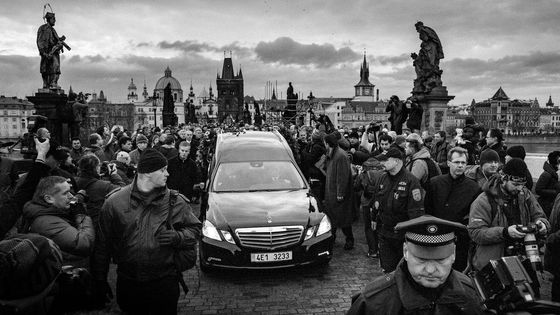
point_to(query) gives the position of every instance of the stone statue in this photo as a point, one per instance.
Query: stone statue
(426, 62)
(399, 113)
(50, 46)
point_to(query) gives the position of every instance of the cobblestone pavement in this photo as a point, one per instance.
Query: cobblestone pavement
(304, 290)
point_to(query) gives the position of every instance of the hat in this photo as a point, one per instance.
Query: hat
(372, 164)
(430, 237)
(151, 160)
(318, 134)
(517, 151)
(354, 134)
(331, 139)
(393, 152)
(414, 137)
(141, 139)
(49, 15)
(516, 169)
(488, 156)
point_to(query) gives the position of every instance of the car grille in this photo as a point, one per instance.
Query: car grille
(269, 237)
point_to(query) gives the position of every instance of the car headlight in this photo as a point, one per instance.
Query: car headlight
(210, 231)
(227, 236)
(324, 226)
(309, 233)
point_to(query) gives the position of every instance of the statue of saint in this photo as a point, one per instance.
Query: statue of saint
(50, 46)
(426, 62)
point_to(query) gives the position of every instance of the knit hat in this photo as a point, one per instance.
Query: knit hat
(516, 168)
(489, 155)
(331, 140)
(414, 137)
(517, 151)
(318, 135)
(354, 134)
(151, 160)
(141, 139)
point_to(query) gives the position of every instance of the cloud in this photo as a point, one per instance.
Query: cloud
(285, 50)
(393, 60)
(193, 46)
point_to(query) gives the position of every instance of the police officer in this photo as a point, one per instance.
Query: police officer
(424, 282)
(396, 197)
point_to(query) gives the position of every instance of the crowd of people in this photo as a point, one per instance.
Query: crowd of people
(109, 199)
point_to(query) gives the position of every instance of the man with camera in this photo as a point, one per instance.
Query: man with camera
(498, 214)
(424, 281)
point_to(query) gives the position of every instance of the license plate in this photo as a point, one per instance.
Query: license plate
(271, 257)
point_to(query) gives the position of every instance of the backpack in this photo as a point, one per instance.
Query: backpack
(29, 265)
(433, 170)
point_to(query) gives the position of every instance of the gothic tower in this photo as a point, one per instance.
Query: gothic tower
(364, 89)
(230, 92)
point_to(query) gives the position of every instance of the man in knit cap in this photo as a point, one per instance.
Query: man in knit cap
(518, 151)
(497, 212)
(489, 164)
(150, 232)
(141, 145)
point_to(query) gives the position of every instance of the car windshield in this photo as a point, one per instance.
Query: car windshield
(257, 175)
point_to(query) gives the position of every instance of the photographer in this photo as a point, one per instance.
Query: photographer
(369, 138)
(497, 212)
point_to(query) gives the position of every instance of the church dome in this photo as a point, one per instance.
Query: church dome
(166, 79)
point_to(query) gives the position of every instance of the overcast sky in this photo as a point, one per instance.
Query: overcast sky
(317, 45)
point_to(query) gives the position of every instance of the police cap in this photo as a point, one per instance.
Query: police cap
(393, 152)
(431, 237)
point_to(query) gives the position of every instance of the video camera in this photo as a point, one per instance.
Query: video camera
(529, 247)
(505, 286)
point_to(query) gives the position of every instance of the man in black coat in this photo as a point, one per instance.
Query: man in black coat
(183, 172)
(449, 197)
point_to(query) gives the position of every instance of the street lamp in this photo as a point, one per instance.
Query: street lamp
(154, 104)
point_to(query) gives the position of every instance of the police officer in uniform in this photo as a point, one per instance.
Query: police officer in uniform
(424, 281)
(396, 197)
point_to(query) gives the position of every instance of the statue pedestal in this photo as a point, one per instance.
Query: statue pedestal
(52, 103)
(435, 109)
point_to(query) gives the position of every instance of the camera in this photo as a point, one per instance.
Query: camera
(506, 285)
(529, 247)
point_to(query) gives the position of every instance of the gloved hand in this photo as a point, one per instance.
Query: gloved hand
(168, 238)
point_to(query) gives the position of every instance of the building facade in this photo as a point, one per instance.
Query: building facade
(13, 117)
(513, 117)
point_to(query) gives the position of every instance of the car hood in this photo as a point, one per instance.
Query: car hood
(257, 209)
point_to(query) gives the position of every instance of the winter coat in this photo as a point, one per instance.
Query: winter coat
(98, 151)
(397, 198)
(552, 248)
(338, 184)
(125, 172)
(475, 173)
(450, 198)
(96, 190)
(311, 155)
(418, 167)
(11, 210)
(487, 229)
(439, 154)
(73, 233)
(547, 187)
(128, 224)
(397, 293)
(183, 174)
(414, 121)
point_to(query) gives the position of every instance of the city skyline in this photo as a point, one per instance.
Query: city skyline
(317, 45)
